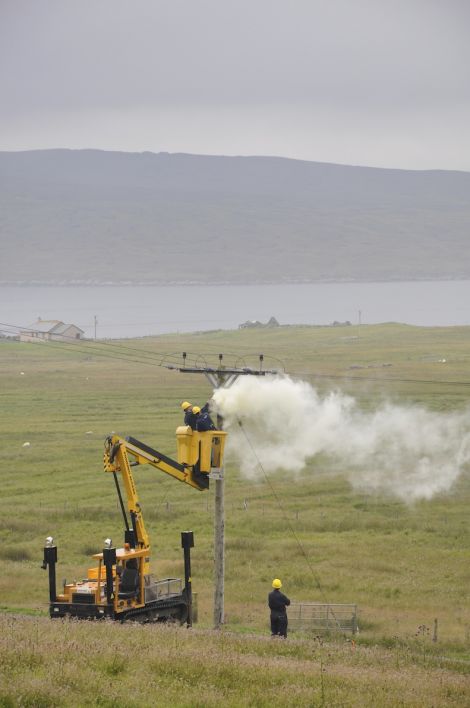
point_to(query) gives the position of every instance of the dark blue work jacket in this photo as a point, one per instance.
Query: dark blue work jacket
(190, 419)
(278, 602)
(204, 422)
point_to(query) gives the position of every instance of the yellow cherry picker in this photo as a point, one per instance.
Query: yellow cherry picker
(120, 585)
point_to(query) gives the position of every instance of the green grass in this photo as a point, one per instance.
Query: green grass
(404, 566)
(60, 663)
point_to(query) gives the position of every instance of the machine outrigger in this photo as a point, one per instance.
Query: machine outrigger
(121, 586)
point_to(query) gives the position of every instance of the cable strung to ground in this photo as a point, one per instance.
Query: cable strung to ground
(286, 518)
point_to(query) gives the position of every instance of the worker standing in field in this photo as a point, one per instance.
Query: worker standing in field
(190, 414)
(278, 602)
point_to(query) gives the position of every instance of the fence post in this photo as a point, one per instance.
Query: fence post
(354, 625)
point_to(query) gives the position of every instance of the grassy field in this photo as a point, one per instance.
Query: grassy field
(46, 663)
(405, 566)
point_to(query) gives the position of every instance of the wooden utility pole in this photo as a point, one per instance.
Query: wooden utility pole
(218, 378)
(219, 553)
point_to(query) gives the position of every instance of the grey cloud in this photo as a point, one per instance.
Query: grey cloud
(112, 53)
(362, 61)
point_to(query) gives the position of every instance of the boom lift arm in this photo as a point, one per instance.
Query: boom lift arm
(117, 454)
(121, 587)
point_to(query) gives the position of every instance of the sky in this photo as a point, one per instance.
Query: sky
(383, 83)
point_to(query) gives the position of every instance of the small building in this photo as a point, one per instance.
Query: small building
(51, 330)
(250, 323)
(256, 323)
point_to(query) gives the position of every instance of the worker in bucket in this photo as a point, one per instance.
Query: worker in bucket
(204, 421)
(190, 414)
(278, 602)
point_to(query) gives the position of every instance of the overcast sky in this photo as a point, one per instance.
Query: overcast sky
(370, 82)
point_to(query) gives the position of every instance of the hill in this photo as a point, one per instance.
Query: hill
(89, 216)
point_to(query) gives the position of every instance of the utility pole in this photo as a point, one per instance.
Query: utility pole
(96, 322)
(220, 377)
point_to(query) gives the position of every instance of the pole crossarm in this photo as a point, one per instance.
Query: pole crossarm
(224, 370)
(222, 376)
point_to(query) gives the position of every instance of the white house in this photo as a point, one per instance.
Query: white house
(51, 330)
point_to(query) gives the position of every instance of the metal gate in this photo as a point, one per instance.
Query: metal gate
(318, 617)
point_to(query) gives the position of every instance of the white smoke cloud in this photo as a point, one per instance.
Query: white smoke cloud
(410, 452)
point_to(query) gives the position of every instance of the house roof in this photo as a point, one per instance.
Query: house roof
(62, 328)
(51, 327)
(44, 325)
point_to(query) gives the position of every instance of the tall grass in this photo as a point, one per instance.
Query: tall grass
(65, 663)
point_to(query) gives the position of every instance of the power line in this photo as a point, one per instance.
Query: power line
(92, 350)
(376, 379)
(156, 358)
(101, 348)
(122, 351)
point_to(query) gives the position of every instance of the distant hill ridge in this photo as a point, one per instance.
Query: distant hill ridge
(89, 216)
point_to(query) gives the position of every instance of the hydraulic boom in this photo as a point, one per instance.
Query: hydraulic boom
(121, 587)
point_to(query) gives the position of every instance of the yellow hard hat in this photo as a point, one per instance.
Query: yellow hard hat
(277, 583)
(185, 404)
(196, 409)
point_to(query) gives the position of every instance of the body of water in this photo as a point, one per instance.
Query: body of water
(136, 311)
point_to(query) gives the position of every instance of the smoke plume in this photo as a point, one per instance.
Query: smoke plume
(410, 452)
